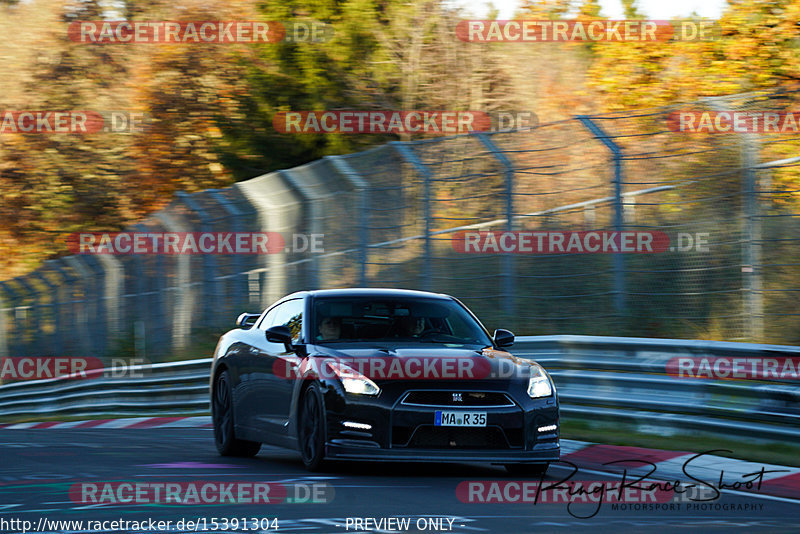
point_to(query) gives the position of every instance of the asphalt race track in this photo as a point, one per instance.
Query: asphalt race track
(41, 469)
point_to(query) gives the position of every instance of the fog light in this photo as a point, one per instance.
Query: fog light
(548, 428)
(359, 426)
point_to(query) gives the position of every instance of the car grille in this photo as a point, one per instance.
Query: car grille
(432, 437)
(470, 399)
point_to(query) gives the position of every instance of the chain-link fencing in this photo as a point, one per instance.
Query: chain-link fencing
(394, 215)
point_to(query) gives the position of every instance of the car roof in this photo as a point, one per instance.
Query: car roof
(368, 292)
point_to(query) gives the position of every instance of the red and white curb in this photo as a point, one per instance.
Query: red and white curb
(669, 465)
(200, 421)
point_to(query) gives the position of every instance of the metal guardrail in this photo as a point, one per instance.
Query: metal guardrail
(599, 379)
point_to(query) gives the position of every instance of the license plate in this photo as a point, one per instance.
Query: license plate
(459, 418)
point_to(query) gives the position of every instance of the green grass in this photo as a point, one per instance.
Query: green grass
(767, 452)
(201, 345)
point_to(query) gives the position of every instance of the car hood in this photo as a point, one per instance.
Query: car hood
(428, 363)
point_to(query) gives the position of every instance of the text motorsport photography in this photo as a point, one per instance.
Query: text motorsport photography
(638, 488)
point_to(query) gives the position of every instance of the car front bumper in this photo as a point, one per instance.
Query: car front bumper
(341, 450)
(391, 430)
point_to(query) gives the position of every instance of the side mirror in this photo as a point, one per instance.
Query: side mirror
(246, 320)
(503, 338)
(280, 334)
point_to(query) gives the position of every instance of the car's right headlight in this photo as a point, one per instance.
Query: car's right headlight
(353, 381)
(539, 384)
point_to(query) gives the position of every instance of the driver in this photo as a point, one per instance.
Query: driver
(329, 328)
(411, 326)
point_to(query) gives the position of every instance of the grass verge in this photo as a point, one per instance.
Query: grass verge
(751, 450)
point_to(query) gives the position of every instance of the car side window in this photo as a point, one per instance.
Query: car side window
(290, 315)
(268, 318)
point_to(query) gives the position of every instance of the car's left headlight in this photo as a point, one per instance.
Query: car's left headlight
(539, 384)
(353, 381)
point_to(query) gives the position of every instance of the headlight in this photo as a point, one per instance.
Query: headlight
(539, 385)
(353, 381)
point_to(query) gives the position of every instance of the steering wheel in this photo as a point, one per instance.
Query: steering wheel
(443, 337)
(428, 332)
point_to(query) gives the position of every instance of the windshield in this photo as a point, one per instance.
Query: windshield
(393, 320)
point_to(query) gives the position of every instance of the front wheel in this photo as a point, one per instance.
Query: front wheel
(222, 415)
(312, 429)
(536, 470)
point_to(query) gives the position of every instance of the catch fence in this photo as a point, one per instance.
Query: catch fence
(391, 216)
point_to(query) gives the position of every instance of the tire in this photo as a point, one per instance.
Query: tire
(537, 470)
(311, 429)
(222, 415)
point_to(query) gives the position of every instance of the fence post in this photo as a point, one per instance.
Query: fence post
(3, 335)
(9, 343)
(241, 290)
(508, 258)
(82, 315)
(209, 261)
(751, 230)
(751, 255)
(182, 312)
(619, 217)
(99, 324)
(272, 213)
(407, 154)
(360, 185)
(310, 201)
(55, 344)
(143, 306)
(69, 324)
(113, 273)
(31, 326)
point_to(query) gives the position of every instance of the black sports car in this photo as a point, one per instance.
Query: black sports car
(380, 374)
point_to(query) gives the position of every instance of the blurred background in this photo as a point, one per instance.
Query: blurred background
(388, 206)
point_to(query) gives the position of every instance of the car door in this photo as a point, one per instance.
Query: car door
(250, 369)
(274, 388)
